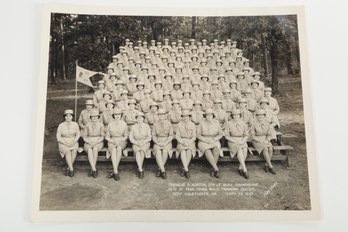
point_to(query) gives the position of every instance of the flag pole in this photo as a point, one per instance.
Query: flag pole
(76, 62)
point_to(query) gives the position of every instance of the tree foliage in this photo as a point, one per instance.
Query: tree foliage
(268, 41)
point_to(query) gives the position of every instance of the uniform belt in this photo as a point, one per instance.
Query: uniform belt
(116, 137)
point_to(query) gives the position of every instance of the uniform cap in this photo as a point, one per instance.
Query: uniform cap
(217, 101)
(236, 111)
(89, 102)
(256, 74)
(268, 89)
(101, 82)
(140, 114)
(68, 111)
(260, 111)
(140, 83)
(147, 91)
(107, 93)
(197, 102)
(94, 113)
(264, 99)
(132, 101)
(162, 111)
(153, 103)
(248, 91)
(243, 100)
(110, 102)
(166, 93)
(124, 92)
(206, 92)
(186, 113)
(175, 102)
(209, 111)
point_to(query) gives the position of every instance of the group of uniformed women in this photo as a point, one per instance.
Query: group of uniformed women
(198, 95)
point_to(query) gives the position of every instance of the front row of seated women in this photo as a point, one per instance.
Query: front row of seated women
(208, 133)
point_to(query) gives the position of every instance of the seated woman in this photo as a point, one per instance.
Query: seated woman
(116, 135)
(94, 140)
(236, 134)
(140, 137)
(68, 133)
(186, 137)
(209, 133)
(261, 135)
(162, 136)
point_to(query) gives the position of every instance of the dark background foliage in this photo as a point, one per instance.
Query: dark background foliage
(270, 42)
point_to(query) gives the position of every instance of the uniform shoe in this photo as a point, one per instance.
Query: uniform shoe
(246, 175)
(71, 173)
(272, 171)
(266, 169)
(111, 175)
(90, 173)
(116, 176)
(158, 173)
(217, 174)
(164, 175)
(187, 174)
(141, 174)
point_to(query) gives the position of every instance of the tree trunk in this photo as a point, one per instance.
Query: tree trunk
(63, 48)
(264, 54)
(289, 60)
(52, 62)
(274, 64)
(193, 30)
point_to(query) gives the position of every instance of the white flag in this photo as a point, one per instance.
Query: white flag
(83, 75)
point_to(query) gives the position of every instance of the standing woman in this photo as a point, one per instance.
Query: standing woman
(186, 137)
(209, 133)
(261, 136)
(68, 133)
(162, 136)
(140, 137)
(236, 134)
(116, 135)
(93, 137)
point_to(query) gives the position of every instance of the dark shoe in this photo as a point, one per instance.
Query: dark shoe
(182, 173)
(71, 173)
(272, 171)
(141, 174)
(67, 171)
(246, 175)
(266, 169)
(164, 175)
(116, 176)
(90, 173)
(212, 173)
(187, 175)
(158, 173)
(217, 174)
(111, 175)
(94, 174)
(240, 171)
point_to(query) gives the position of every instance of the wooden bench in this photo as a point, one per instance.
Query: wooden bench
(281, 153)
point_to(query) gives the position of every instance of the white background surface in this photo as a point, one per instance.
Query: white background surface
(19, 58)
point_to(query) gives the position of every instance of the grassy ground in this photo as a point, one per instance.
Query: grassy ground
(288, 190)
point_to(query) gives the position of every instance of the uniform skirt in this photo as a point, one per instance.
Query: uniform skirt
(234, 148)
(145, 148)
(203, 146)
(63, 148)
(168, 147)
(181, 147)
(259, 147)
(118, 142)
(99, 146)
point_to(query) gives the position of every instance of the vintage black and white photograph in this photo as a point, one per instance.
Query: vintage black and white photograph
(164, 111)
